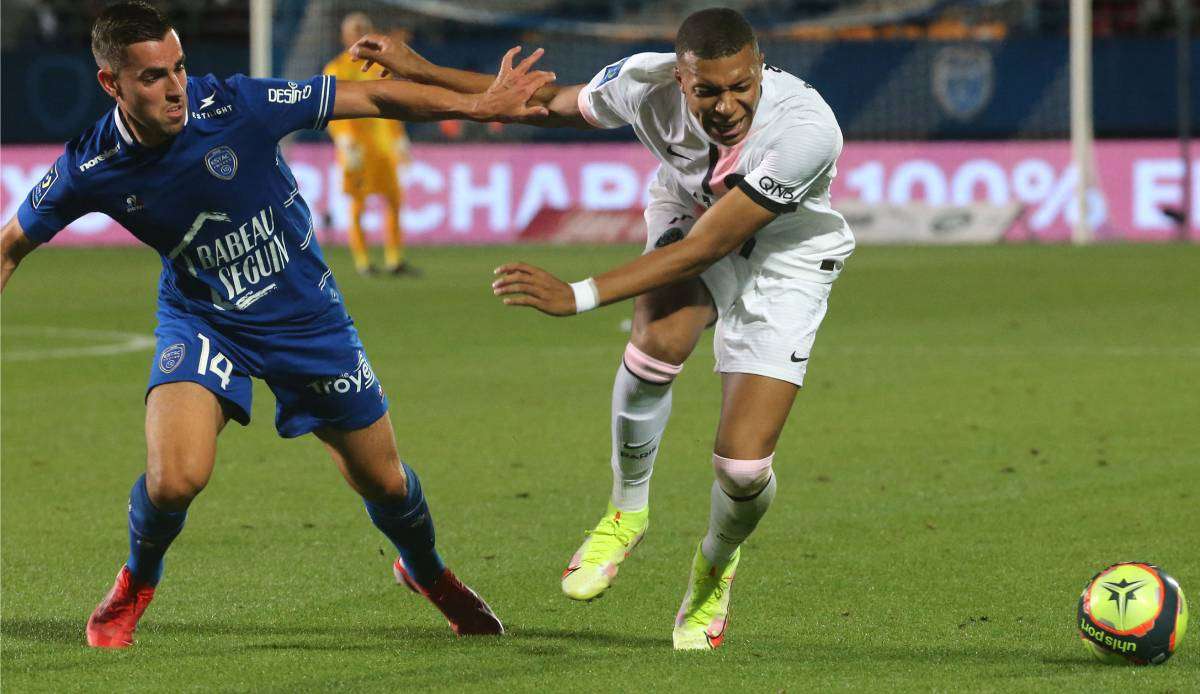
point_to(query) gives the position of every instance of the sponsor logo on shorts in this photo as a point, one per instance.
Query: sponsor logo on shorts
(362, 378)
(797, 359)
(171, 357)
(221, 162)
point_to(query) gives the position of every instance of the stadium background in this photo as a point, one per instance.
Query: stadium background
(981, 85)
(983, 427)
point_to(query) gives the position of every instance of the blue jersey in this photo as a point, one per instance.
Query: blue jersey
(217, 202)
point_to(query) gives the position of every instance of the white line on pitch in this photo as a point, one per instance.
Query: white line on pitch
(112, 342)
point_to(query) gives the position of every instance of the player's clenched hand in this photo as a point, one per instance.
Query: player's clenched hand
(507, 99)
(525, 285)
(395, 57)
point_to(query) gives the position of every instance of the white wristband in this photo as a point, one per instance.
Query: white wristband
(587, 297)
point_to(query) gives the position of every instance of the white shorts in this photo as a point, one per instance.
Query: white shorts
(766, 322)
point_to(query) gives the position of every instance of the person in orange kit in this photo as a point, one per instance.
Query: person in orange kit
(370, 151)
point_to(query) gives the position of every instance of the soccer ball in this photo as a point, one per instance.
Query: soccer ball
(1132, 612)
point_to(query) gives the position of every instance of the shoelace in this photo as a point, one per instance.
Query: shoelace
(703, 608)
(608, 527)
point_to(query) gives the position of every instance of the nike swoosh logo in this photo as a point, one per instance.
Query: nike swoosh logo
(677, 154)
(635, 446)
(798, 359)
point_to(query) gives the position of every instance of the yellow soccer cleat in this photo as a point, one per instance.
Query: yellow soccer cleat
(704, 614)
(594, 566)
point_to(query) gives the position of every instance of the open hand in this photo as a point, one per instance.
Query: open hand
(526, 285)
(507, 99)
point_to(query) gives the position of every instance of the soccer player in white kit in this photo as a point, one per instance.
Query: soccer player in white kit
(740, 231)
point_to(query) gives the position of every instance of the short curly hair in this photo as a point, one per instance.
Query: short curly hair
(714, 33)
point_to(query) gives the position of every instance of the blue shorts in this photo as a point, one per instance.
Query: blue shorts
(320, 375)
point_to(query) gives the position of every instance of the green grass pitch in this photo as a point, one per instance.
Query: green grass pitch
(983, 429)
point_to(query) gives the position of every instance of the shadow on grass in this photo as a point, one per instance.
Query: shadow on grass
(533, 641)
(67, 631)
(45, 630)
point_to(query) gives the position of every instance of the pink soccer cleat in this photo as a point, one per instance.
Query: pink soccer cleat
(116, 617)
(464, 610)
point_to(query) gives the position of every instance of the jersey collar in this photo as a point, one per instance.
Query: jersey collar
(127, 135)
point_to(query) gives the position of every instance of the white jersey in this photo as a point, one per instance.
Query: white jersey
(785, 163)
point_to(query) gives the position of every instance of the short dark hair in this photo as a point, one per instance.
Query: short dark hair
(713, 33)
(125, 24)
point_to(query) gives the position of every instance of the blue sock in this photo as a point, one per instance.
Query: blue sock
(150, 534)
(409, 525)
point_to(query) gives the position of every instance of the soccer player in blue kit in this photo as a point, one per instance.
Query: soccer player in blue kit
(192, 168)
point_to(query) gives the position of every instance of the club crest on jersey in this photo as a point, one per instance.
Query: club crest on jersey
(39, 191)
(133, 203)
(611, 72)
(221, 162)
(171, 357)
(963, 80)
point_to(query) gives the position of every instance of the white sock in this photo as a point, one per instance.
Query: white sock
(640, 410)
(730, 522)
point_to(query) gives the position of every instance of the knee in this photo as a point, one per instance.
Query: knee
(656, 342)
(389, 486)
(390, 491)
(743, 478)
(649, 368)
(172, 488)
(744, 443)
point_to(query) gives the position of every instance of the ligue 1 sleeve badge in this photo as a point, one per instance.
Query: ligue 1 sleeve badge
(221, 162)
(43, 187)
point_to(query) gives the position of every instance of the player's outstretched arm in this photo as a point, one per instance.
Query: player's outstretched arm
(506, 99)
(14, 245)
(399, 59)
(719, 231)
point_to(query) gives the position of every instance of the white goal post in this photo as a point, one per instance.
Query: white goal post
(261, 12)
(1082, 132)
